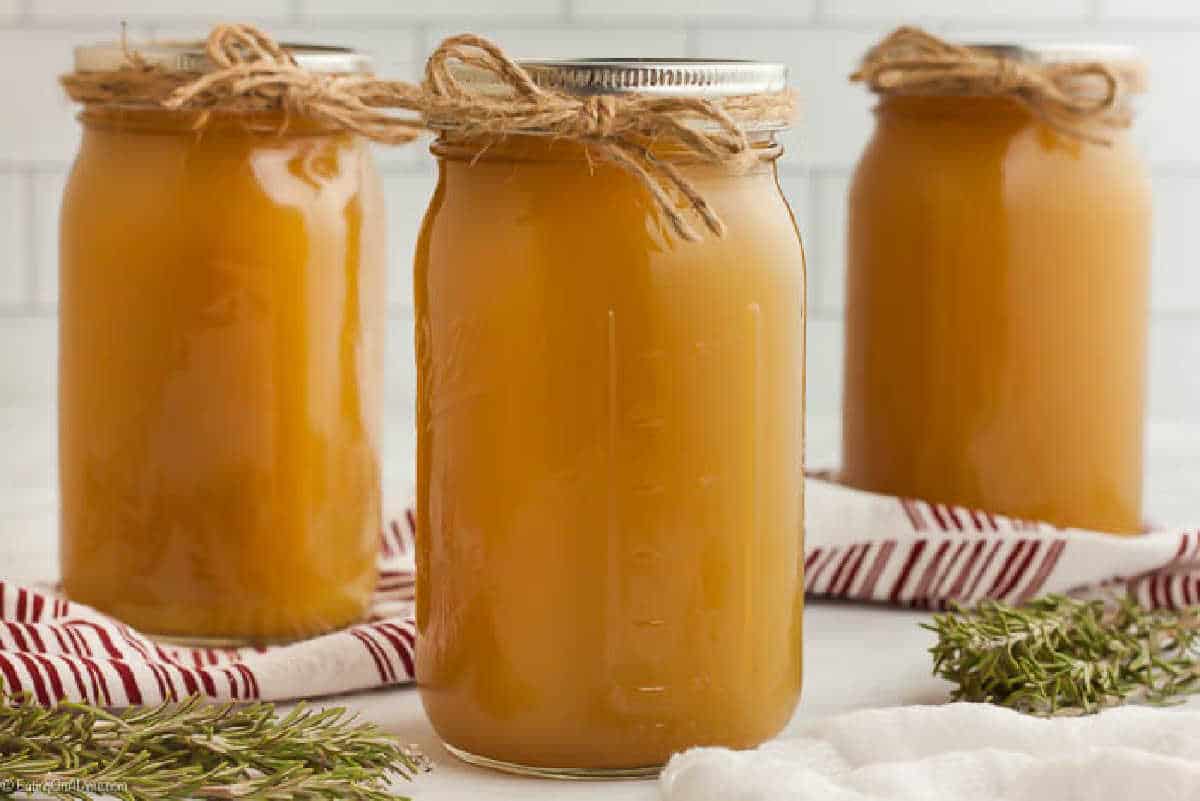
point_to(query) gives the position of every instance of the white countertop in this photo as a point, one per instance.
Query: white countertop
(854, 655)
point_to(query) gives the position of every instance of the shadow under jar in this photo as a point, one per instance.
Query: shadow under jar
(610, 440)
(221, 328)
(996, 309)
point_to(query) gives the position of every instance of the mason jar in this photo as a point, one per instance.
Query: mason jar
(610, 445)
(996, 306)
(221, 328)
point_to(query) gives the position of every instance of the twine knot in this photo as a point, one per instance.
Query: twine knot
(910, 61)
(598, 115)
(474, 89)
(1007, 77)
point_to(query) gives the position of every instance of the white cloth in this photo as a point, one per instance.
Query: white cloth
(957, 752)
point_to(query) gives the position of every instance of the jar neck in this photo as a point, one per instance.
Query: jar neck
(953, 110)
(524, 147)
(150, 120)
(994, 115)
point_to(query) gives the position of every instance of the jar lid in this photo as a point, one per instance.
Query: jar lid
(191, 57)
(678, 77)
(1125, 60)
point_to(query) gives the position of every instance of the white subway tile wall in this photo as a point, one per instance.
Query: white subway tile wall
(555, 41)
(14, 239)
(700, 10)
(407, 194)
(952, 10)
(826, 286)
(423, 10)
(48, 186)
(39, 125)
(90, 10)
(821, 40)
(1176, 287)
(835, 116)
(1149, 9)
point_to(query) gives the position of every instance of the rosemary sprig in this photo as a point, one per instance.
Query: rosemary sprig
(196, 750)
(1061, 656)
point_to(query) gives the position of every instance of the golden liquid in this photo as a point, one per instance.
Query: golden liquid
(610, 429)
(221, 327)
(996, 315)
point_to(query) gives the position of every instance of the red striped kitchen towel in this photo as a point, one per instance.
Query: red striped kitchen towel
(860, 546)
(867, 547)
(56, 649)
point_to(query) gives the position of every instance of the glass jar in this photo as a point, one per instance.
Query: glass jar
(610, 443)
(221, 336)
(996, 312)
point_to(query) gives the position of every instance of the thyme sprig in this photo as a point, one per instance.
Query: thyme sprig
(196, 750)
(1061, 656)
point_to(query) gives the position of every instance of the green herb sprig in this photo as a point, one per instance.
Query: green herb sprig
(196, 750)
(1060, 656)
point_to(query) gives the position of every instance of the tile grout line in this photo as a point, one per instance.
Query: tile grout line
(820, 20)
(819, 16)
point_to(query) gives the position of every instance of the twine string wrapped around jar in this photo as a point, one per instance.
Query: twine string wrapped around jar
(1077, 98)
(252, 73)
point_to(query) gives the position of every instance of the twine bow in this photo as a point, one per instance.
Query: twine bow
(253, 73)
(502, 98)
(910, 61)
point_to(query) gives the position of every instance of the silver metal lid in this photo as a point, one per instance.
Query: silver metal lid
(1059, 52)
(190, 57)
(1125, 60)
(678, 77)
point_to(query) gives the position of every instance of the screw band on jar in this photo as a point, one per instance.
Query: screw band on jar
(474, 89)
(1077, 91)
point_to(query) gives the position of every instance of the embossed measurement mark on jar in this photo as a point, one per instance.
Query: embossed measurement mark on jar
(752, 601)
(638, 501)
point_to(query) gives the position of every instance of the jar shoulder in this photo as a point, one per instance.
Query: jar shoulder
(1021, 163)
(569, 213)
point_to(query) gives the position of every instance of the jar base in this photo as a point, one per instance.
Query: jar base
(569, 774)
(191, 641)
(229, 642)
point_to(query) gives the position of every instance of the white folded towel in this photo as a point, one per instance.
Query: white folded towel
(957, 752)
